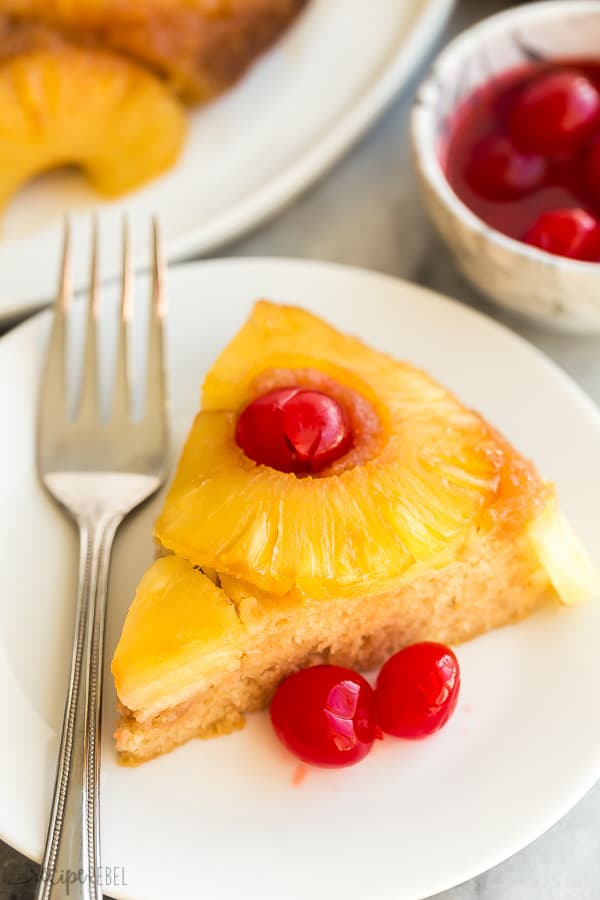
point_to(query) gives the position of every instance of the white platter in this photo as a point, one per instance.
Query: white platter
(223, 818)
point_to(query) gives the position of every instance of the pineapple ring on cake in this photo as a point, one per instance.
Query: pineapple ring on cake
(68, 106)
(437, 472)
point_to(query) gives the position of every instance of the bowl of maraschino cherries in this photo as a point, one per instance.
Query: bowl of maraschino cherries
(506, 139)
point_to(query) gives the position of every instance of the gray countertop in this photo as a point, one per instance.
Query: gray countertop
(368, 212)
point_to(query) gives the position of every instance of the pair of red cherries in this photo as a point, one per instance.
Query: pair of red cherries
(330, 716)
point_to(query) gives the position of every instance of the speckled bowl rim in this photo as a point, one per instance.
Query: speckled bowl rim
(422, 132)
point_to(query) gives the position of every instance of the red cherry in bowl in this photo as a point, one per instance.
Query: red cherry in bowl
(417, 690)
(573, 233)
(294, 430)
(555, 113)
(498, 171)
(325, 715)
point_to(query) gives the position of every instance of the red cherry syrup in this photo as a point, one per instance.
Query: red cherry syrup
(523, 153)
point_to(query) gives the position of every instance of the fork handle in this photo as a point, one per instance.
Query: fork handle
(71, 863)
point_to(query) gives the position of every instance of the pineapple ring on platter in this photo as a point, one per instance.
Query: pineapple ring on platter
(437, 472)
(68, 106)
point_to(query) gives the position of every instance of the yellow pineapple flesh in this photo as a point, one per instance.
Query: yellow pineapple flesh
(68, 106)
(435, 472)
(176, 610)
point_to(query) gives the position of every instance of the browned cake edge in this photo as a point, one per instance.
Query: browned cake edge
(200, 49)
(494, 583)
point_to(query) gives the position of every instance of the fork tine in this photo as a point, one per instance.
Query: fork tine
(121, 398)
(88, 398)
(53, 393)
(156, 394)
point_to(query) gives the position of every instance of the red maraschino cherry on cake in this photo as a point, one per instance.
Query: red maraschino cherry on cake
(294, 430)
(331, 505)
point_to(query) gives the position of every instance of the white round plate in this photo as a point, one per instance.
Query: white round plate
(226, 818)
(246, 155)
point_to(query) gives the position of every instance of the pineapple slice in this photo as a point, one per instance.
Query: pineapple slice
(65, 105)
(572, 573)
(436, 472)
(176, 610)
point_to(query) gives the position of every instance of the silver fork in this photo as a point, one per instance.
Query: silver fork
(98, 472)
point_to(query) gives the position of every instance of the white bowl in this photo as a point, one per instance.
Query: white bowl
(558, 292)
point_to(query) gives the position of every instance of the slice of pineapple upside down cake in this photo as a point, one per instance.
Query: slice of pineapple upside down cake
(331, 505)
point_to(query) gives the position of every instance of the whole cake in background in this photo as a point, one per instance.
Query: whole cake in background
(103, 84)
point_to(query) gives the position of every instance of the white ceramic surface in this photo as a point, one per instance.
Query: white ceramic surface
(246, 155)
(222, 818)
(557, 292)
